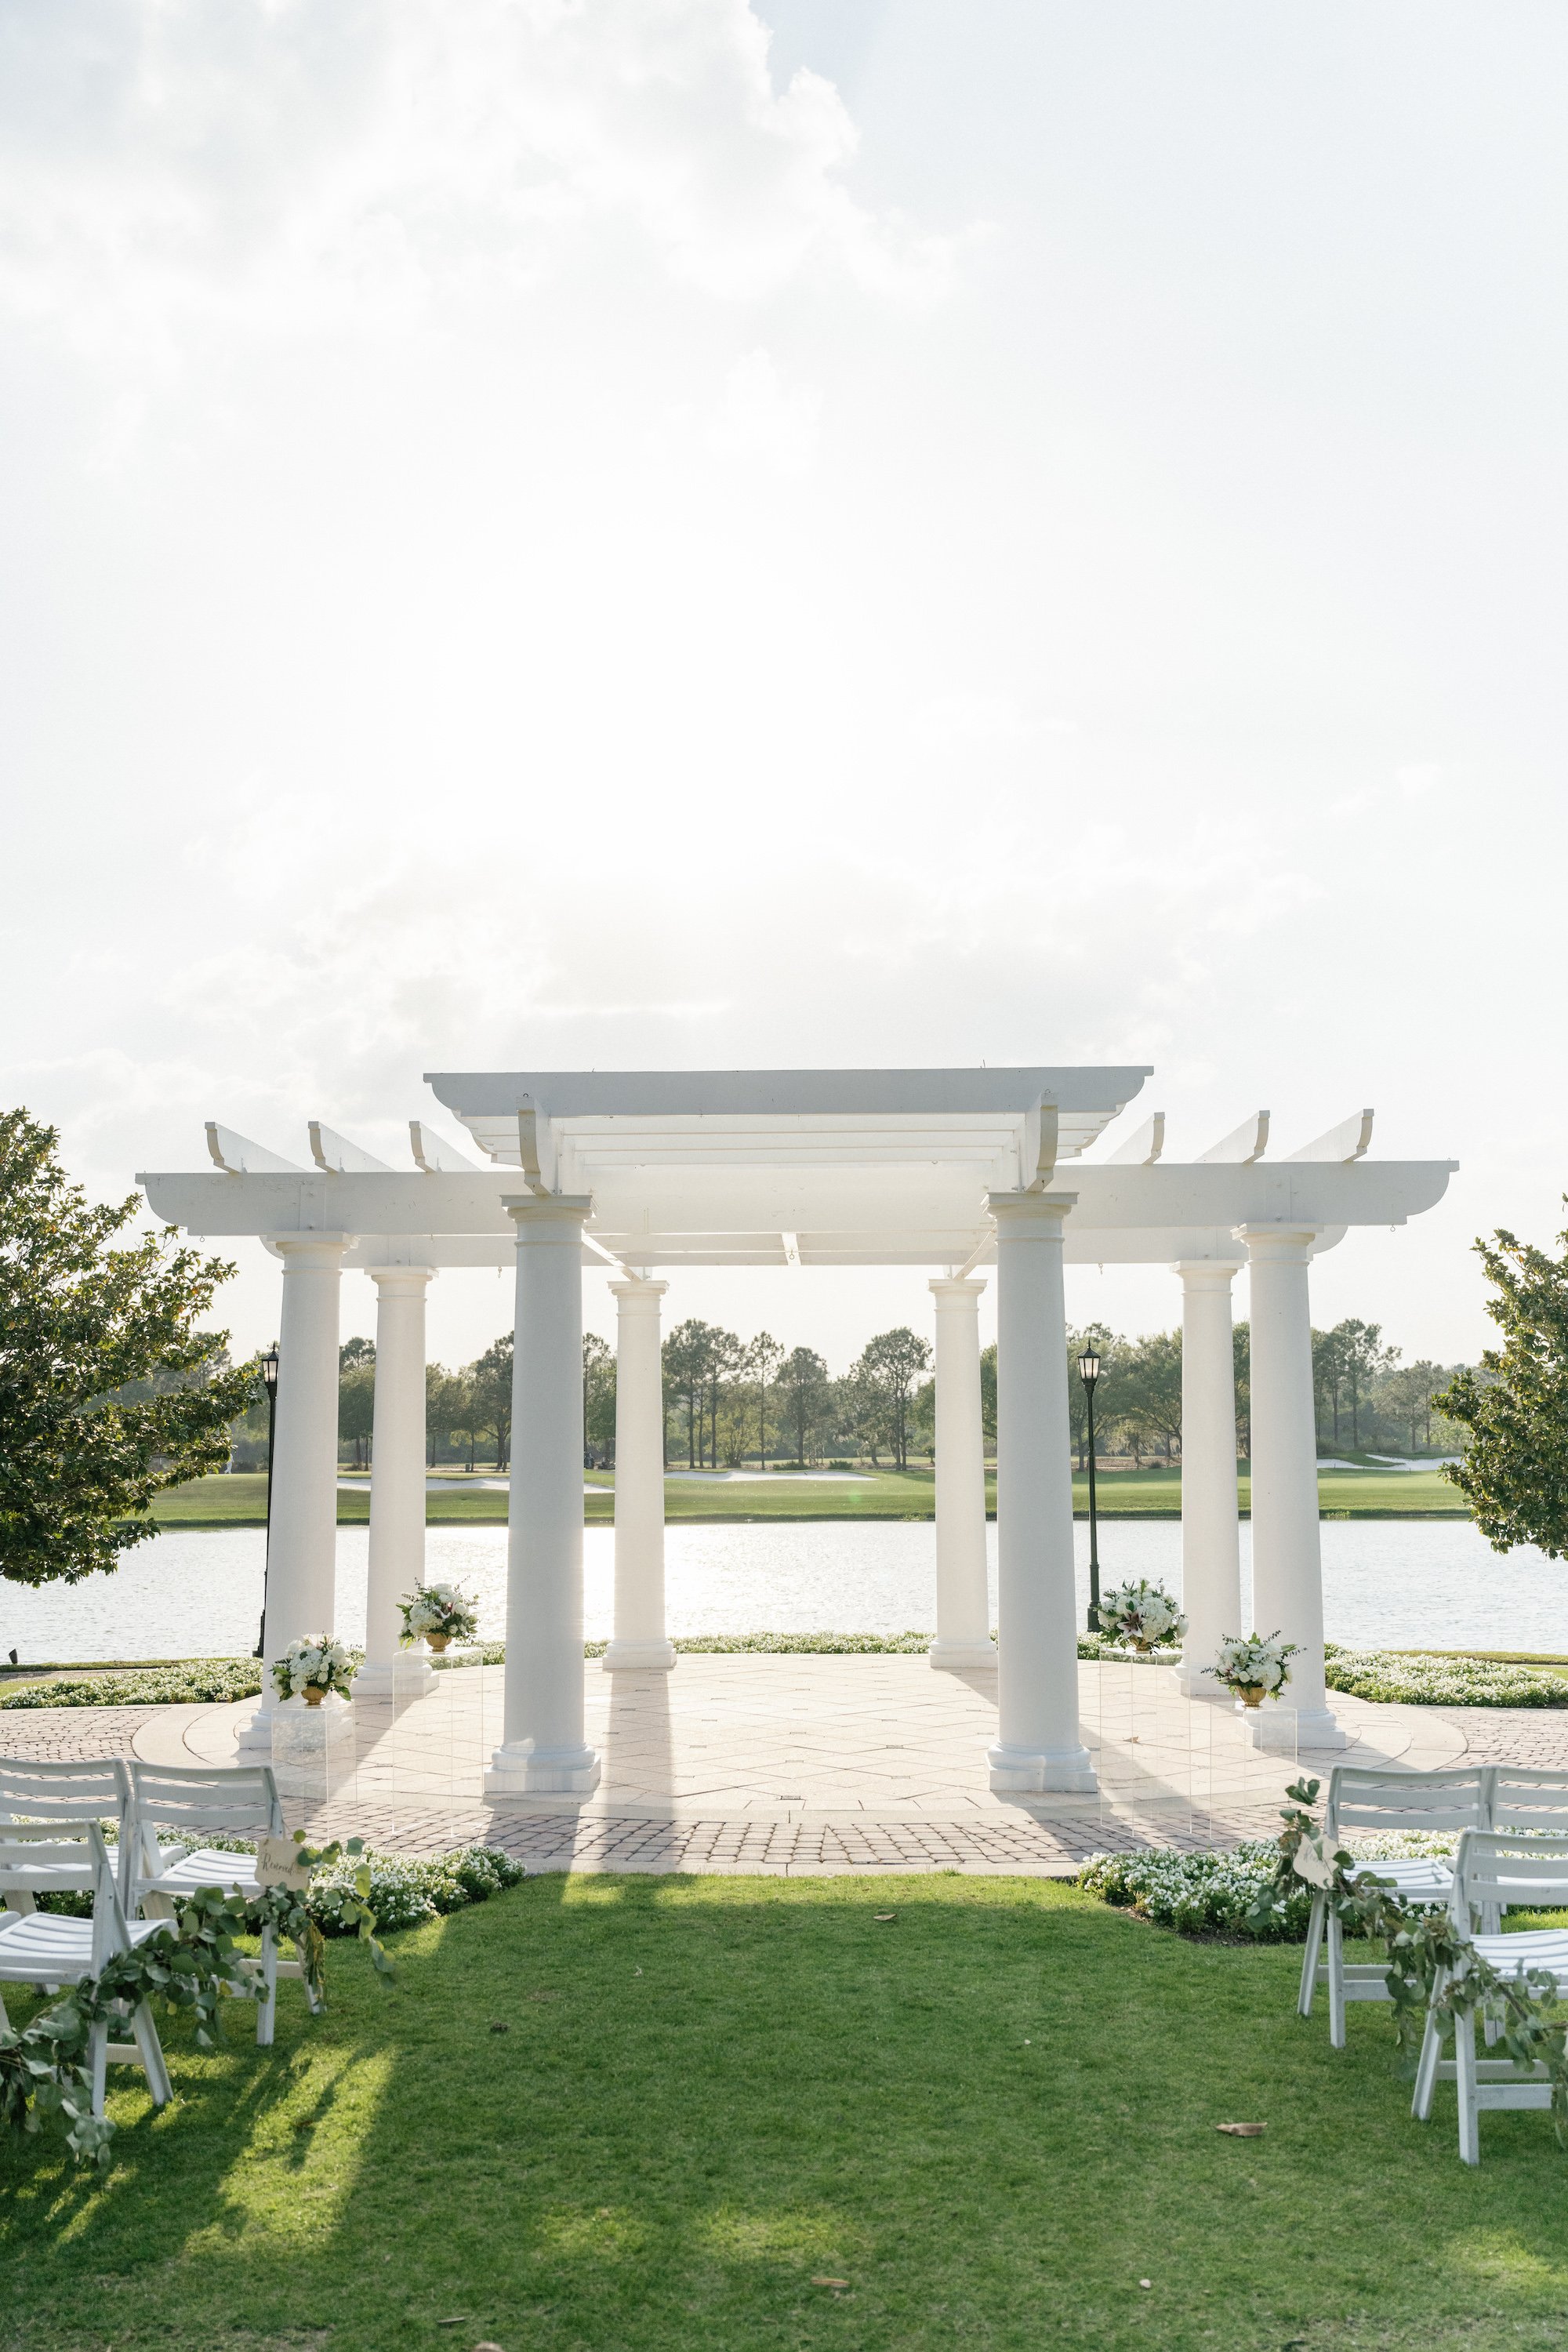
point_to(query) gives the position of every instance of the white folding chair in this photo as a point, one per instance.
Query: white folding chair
(38, 1948)
(1362, 1797)
(239, 1801)
(97, 1790)
(1495, 1870)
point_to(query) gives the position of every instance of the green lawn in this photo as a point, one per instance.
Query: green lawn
(241, 1501)
(991, 2118)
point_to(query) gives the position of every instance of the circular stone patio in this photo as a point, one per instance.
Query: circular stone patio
(791, 1764)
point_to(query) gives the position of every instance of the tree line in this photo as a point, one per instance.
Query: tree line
(729, 1401)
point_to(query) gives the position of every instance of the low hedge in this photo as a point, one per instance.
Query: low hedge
(198, 1682)
(1211, 1894)
(1425, 1679)
(403, 1891)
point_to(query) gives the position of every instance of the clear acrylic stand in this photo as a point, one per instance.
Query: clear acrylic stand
(314, 1757)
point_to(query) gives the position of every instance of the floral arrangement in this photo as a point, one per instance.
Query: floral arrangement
(437, 1614)
(1253, 1666)
(1141, 1614)
(309, 1669)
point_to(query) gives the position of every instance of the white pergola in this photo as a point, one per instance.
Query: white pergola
(641, 1173)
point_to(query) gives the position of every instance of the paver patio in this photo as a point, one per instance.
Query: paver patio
(791, 1764)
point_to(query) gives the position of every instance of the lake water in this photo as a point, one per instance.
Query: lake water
(1399, 1581)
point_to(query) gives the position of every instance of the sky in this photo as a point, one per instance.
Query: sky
(668, 533)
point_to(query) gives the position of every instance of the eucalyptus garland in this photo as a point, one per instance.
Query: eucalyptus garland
(1432, 1969)
(195, 1965)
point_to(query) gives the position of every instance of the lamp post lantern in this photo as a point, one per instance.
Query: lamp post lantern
(267, 1366)
(1089, 1373)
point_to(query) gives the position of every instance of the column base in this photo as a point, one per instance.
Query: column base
(395, 1678)
(522, 1769)
(1289, 1730)
(639, 1657)
(954, 1657)
(253, 1742)
(1025, 1771)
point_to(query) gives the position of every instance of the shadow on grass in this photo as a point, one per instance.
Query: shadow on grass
(741, 2114)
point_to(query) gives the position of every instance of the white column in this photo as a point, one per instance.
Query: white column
(542, 1744)
(1037, 1746)
(302, 1541)
(1287, 1559)
(639, 1640)
(1211, 1542)
(962, 1603)
(397, 1483)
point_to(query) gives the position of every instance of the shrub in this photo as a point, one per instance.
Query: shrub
(404, 1891)
(196, 1682)
(1424, 1679)
(1211, 1894)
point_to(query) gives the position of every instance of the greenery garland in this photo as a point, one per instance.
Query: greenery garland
(46, 2065)
(1433, 1970)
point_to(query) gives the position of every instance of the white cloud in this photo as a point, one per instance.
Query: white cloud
(275, 166)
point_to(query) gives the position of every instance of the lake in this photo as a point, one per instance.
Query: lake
(198, 1591)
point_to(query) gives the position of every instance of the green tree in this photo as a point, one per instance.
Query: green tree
(988, 1395)
(493, 1374)
(685, 1355)
(802, 1382)
(886, 1373)
(1327, 1379)
(108, 1390)
(356, 1404)
(1513, 1405)
(1363, 1357)
(1241, 1358)
(763, 1357)
(1147, 1399)
(466, 1411)
(598, 1399)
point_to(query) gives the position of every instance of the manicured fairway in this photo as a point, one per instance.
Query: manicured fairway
(990, 2117)
(241, 1501)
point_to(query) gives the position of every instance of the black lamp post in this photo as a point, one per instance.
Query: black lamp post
(1089, 1373)
(269, 1370)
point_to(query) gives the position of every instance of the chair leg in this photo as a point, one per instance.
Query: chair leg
(1465, 2076)
(152, 2049)
(98, 2062)
(1426, 2071)
(266, 2005)
(1335, 1938)
(1310, 1960)
(17, 1899)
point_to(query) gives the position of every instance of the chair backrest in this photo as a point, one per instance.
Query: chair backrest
(1366, 1797)
(236, 1799)
(92, 1792)
(69, 1843)
(1499, 1870)
(1524, 1799)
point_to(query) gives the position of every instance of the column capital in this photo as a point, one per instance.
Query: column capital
(954, 1289)
(637, 1291)
(1292, 1245)
(404, 1280)
(549, 1217)
(312, 1249)
(1206, 1273)
(1020, 1213)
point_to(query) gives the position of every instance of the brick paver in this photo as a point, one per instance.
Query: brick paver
(784, 1766)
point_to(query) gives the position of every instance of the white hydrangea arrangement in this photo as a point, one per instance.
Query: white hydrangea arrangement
(1141, 1614)
(1253, 1666)
(437, 1614)
(311, 1667)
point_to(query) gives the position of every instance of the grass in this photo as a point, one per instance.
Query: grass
(990, 2117)
(241, 1500)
